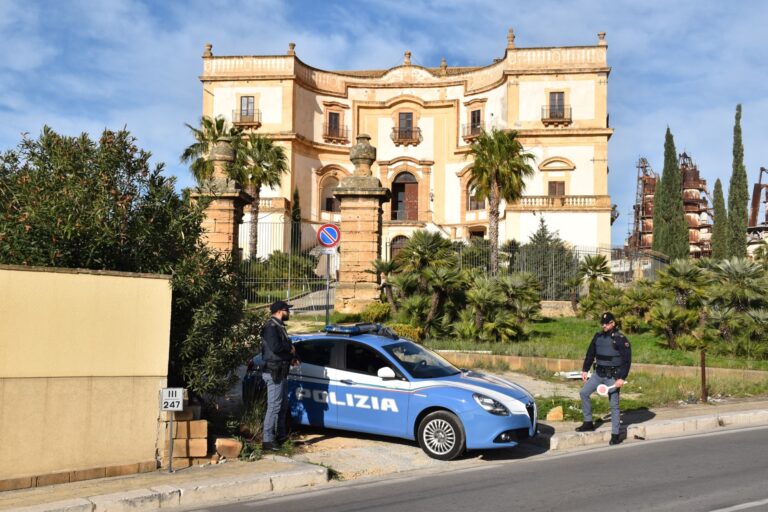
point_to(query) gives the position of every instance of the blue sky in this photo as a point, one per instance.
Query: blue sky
(85, 65)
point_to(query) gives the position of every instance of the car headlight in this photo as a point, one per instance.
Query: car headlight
(490, 405)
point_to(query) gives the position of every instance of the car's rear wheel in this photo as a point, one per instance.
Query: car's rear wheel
(441, 435)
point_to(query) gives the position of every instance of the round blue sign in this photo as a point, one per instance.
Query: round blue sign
(329, 235)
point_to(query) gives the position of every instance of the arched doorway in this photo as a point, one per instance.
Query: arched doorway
(396, 245)
(405, 197)
(329, 203)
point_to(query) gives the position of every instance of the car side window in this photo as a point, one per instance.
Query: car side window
(316, 352)
(362, 359)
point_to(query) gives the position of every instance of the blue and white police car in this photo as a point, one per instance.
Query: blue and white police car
(364, 378)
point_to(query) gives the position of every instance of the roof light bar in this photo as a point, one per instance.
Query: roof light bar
(361, 328)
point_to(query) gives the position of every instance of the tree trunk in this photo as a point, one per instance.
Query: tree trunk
(433, 309)
(493, 227)
(479, 319)
(254, 242)
(703, 375)
(390, 298)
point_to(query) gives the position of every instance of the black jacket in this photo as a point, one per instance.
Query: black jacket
(275, 344)
(621, 343)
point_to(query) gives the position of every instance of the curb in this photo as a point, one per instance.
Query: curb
(663, 428)
(192, 493)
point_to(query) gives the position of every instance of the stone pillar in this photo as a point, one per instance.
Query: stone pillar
(361, 196)
(224, 212)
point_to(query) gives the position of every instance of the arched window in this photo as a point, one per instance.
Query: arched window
(474, 200)
(396, 245)
(405, 197)
(328, 202)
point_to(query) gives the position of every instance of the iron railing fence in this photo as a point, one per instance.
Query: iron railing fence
(287, 264)
(555, 266)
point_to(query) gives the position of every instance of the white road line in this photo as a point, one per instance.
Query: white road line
(743, 506)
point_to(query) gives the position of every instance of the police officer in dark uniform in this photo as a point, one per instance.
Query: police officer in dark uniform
(613, 353)
(278, 354)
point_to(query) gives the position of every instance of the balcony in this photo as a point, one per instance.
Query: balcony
(470, 132)
(567, 203)
(246, 118)
(406, 136)
(335, 134)
(556, 115)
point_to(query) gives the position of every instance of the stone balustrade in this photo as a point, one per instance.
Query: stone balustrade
(561, 203)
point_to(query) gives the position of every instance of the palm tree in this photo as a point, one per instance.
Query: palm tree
(443, 281)
(499, 172)
(685, 280)
(383, 271)
(594, 269)
(671, 321)
(739, 284)
(484, 297)
(210, 132)
(425, 250)
(259, 162)
(761, 253)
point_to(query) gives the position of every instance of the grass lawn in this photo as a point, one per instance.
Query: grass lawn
(568, 338)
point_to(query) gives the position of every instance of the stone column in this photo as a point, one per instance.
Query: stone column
(224, 212)
(361, 196)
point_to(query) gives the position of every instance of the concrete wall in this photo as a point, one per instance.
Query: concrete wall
(83, 356)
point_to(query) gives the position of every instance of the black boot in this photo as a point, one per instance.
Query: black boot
(270, 447)
(615, 439)
(587, 426)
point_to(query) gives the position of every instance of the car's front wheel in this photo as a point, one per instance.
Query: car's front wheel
(441, 435)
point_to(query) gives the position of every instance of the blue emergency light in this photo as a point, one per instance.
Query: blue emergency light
(361, 328)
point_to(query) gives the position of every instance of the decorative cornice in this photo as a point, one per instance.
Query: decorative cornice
(551, 164)
(395, 161)
(335, 104)
(475, 100)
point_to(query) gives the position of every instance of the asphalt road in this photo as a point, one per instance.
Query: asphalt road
(726, 471)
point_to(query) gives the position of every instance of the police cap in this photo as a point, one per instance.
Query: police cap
(279, 305)
(607, 318)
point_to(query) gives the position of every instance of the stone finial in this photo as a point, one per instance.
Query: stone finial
(291, 48)
(407, 59)
(510, 38)
(208, 51)
(443, 67)
(601, 39)
(363, 155)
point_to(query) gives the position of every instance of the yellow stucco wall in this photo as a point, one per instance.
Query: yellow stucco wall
(83, 356)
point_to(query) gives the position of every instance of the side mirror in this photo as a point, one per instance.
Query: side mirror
(386, 373)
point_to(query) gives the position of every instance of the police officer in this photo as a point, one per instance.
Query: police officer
(278, 354)
(614, 356)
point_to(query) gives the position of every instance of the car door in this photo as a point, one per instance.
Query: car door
(310, 383)
(365, 401)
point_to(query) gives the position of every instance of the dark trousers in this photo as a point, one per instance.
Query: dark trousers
(275, 424)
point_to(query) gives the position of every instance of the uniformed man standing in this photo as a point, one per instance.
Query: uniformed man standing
(278, 354)
(614, 356)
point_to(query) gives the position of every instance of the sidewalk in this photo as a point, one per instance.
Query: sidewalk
(160, 489)
(660, 423)
(352, 457)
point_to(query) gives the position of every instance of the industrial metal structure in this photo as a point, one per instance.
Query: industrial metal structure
(757, 229)
(695, 197)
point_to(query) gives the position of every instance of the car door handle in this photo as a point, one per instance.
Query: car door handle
(347, 381)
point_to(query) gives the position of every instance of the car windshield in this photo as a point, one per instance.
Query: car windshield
(420, 362)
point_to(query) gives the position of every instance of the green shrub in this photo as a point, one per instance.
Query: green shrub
(375, 312)
(345, 318)
(408, 331)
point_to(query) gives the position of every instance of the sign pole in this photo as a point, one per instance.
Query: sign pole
(328, 235)
(327, 289)
(170, 441)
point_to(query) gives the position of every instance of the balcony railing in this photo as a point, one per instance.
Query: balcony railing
(406, 136)
(561, 203)
(334, 133)
(557, 114)
(471, 131)
(246, 118)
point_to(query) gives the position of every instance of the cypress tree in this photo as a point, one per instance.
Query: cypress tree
(670, 229)
(738, 195)
(719, 224)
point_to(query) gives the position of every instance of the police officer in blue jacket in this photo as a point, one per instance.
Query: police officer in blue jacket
(278, 354)
(611, 352)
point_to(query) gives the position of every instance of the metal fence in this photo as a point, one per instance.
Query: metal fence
(556, 265)
(288, 264)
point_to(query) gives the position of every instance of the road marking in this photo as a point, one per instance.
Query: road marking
(743, 506)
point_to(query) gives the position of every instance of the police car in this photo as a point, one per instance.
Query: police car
(364, 378)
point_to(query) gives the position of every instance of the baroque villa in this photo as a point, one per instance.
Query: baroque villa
(422, 122)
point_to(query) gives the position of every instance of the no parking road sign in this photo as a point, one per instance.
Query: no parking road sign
(329, 235)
